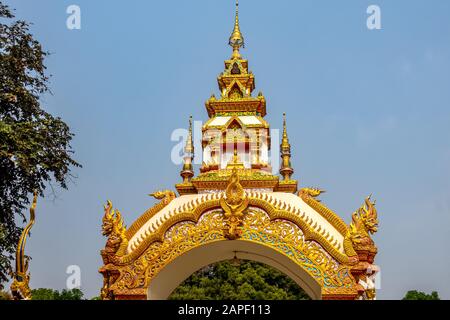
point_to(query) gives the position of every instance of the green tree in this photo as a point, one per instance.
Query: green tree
(74, 294)
(247, 281)
(5, 295)
(419, 295)
(43, 294)
(34, 145)
(50, 294)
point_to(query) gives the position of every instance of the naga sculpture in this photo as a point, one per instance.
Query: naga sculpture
(359, 247)
(364, 223)
(117, 241)
(165, 195)
(114, 228)
(20, 287)
(116, 246)
(310, 193)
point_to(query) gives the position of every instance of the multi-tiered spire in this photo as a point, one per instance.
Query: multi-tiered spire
(236, 136)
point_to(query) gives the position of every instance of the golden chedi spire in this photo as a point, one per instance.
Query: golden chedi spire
(236, 121)
(286, 169)
(188, 171)
(236, 39)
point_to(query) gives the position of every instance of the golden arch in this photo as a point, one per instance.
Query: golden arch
(183, 266)
(140, 262)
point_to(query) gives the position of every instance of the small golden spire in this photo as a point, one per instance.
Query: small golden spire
(188, 171)
(236, 39)
(189, 143)
(286, 169)
(285, 136)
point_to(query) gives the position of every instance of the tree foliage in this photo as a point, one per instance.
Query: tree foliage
(50, 294)
(248, 281)
(34, 145)
(5, 295)
(419, 295)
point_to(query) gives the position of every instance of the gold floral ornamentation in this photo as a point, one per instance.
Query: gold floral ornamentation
(339, 293)
(193, 211)
(281, 235)
(288, 239)
(233, 204)
(177, 240)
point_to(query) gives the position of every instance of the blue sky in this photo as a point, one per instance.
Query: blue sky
(368, 112)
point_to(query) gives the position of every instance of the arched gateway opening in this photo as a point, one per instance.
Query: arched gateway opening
(238, 203)
(238, 279)
(169, 278)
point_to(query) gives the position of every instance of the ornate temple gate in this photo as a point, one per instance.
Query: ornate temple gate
(158, 252)
(238, 207)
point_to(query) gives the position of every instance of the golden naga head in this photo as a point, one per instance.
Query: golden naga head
(108, 219)
(367, 215)
(112, 220)
(310, 192)
(20, 288)
(163, 194)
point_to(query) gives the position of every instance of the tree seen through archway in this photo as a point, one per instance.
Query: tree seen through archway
(246, 280)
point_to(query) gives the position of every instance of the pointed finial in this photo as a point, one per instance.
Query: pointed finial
(236, 39)
(188, 171)
(189, 143)
(286, 168)
(285, 141)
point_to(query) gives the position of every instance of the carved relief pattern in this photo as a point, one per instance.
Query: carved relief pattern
(285, 237)
(178, 239)
(281, 235)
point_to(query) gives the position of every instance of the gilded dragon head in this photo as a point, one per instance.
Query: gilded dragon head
(368, 215)
(108, 219)
(165, 194)
(112, 221)
(364, 222)
(20, 288)
(310, 192)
